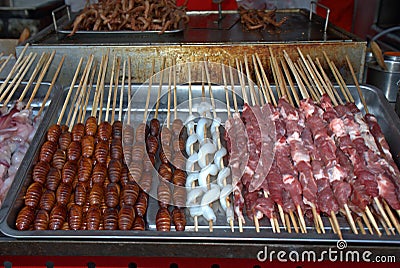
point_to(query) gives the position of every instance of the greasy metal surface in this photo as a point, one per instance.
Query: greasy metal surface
(377, 104)
(142, 56)
(298, 28)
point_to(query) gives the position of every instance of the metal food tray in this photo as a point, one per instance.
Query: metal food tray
(35, 107)
(377, 105)
(67, 25)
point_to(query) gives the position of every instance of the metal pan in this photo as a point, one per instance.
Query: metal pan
(377, 104)
(38, 121)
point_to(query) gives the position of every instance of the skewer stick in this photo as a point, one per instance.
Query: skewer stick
(383, 214)
(41, 62)
(210, 222)
(328, 82)
(372, 219)
(310, 71)
(350, 219)
(256, 222)
(77, 93)
(266, 82)
(175, 95)
(81, 93)
(39, 81)
(6, 86)
(332, 224)
(97, 91)
(303, 76)
(251, 84)
(16, 66)
(148, 92)
(18, 78)
(336, 224)
(160, 87)
(115, 90)
(121, 96)
(261, 89)
(391, 215)
(384, 226)
(228, 199)
(129, 88)
(53, 81)
(195, 218)
(287, 221)
(357, 85)
(102, 84)
(5, 62)
(320, 80)
(291, 84)
(293, 218)
(239, 73)
(110, 87)
(337, 78)
(237, 112)
(300, 84)
(69, 92)
(82, 112)
(367, 223)
(361, 226)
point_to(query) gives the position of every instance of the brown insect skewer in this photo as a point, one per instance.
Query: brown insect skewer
(116, 89)
(40, 79)
(15, 67)
(13, 85)
(52, 83)
(376, 200)
(69, 92)
(78, 105)
(228, 201)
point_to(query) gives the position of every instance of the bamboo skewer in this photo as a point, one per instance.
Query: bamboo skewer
(18, 78)
(77, 92)
(41, 75)
(121, 96)
(40, 79)
(160, 87)
(16, 66)
(110, 87)
(101, 87)
(82, 91)
(69, 92)
(148, 92)
(52, 83)
(235, 105)
(85, 101)
(115, 90)
(129, 89)
(4, 64)
(268, 92)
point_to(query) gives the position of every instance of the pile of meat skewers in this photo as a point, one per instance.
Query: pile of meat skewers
(135, 15)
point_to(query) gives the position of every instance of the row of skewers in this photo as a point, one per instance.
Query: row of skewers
(277, 174)
(18, 121)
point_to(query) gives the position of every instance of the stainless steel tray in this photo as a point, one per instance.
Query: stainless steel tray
(67, 24)
(35, 107)
(377, 104)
